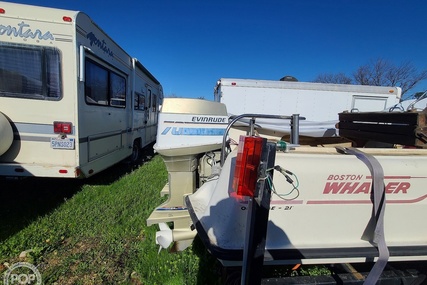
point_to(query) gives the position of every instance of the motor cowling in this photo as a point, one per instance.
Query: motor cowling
(6, 134)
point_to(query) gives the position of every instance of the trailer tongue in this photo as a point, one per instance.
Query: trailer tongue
(328, 205)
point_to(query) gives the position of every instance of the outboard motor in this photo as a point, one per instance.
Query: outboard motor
(187, 128)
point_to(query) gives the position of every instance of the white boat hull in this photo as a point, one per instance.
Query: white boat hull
(326, 222)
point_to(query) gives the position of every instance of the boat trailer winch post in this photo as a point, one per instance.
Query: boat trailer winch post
(294, 122)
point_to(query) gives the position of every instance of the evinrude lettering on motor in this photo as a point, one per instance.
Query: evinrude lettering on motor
(209, 120)
(193, 131)
(99, 43)
(23, 31)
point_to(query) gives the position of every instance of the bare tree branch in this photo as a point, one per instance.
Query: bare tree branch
(380, 72)
(339, 78)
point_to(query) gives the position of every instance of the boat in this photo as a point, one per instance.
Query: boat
(320, 204)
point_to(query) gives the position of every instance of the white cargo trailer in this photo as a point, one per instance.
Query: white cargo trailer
(72, 101)
(318, 103)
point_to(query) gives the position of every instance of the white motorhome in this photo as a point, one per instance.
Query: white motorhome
(72, 101)
(318, 103)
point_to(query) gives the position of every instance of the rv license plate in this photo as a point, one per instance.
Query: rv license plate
(62, 143)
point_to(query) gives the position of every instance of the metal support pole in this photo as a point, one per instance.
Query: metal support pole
(295, 129)
(257, 221)
(252, 127)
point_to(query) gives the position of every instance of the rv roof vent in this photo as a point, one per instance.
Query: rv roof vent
(288, 78)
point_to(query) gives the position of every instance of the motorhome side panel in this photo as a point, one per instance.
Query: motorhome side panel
(123, 109)
(38, 71)
(104, 102)
(141, 111)
(154, 99)
(147, 98)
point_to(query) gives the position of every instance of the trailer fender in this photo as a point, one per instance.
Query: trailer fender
(6, 134)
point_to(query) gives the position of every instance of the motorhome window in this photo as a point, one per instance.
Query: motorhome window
(96, 84)
(149, 98)
(154, 103)
(136, 101)
(139, 101)
(32, 72)
(117, 90)
(103, 86)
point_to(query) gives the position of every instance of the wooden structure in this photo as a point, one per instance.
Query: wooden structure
(404, 128)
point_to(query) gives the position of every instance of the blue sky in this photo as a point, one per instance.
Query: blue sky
(189, 44)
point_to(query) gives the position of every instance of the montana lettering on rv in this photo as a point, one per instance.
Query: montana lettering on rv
(23, 31)
(99, 43)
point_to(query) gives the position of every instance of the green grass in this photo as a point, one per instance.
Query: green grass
(94, 231)
(98, 234)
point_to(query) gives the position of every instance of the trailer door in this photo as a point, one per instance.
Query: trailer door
(139, 117)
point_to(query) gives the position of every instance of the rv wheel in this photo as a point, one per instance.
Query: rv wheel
(136, 152)
(231, 275)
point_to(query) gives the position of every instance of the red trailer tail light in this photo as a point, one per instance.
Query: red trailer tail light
(247, 162)
(62, 127)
